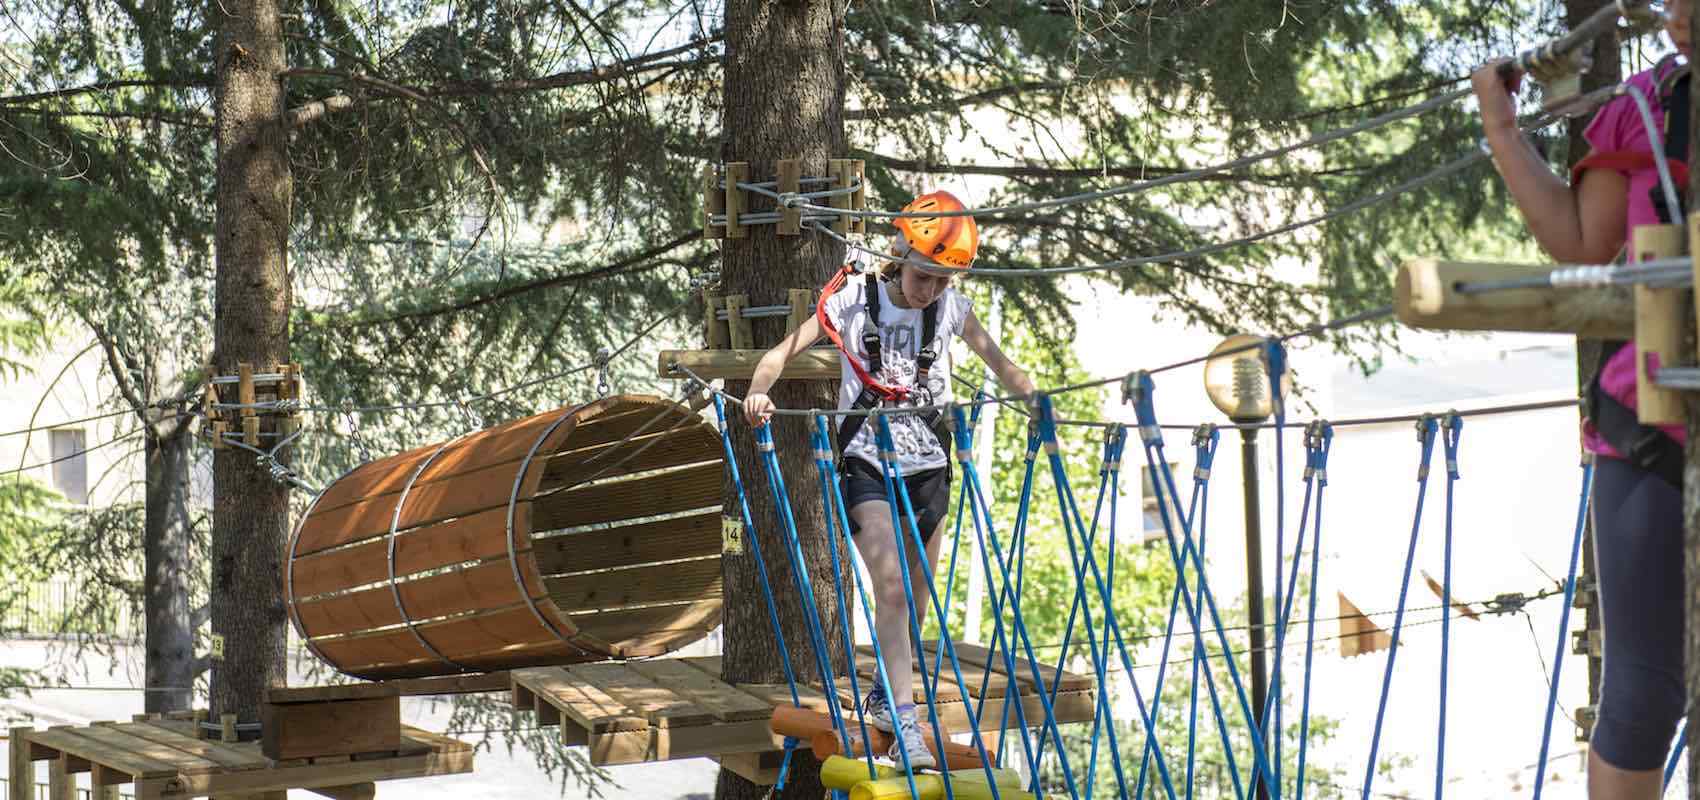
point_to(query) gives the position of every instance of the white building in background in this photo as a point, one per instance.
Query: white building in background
(65, 386)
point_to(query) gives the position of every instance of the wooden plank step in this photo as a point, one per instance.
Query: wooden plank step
(975, 673)
(138, 767)
(724, 702)
(660, 705)
(226, 756)
(867, 667)
(981, 656)
(180, 761)
(588, 706)
(405, 687)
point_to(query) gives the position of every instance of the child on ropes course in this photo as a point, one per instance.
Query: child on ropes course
(895, 325)
(1637, 495)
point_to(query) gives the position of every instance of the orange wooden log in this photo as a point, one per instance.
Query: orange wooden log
(816, 728)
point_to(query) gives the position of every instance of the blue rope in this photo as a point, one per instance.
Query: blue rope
(1564, 621)
(755, 550)
(833, 501)
(791, 743)
(1080, 588)
(1140, 390)
(1453, 426)
(1275, 359)
(1319, 440)
(841, 519)
(1010, 594)
(1425, 434)
(1204, 440)
(1071, 522)
(1020, 629)
(897, 490)
(800, 576)
(1115, 440)
(1675, 755)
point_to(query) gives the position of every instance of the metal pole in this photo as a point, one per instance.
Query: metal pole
(1254, 584)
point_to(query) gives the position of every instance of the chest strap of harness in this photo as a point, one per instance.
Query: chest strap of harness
(873, 392)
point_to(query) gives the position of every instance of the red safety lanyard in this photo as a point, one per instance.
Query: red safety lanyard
(889, 393)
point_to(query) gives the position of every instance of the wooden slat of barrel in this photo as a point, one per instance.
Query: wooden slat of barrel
(390, 475)
(453, 542)
(489, 633)
(649, 415)
(468, 493)
(652, 631)
(651, 583)
(686, 489)
(685, 445)
(681, 537)
(486, 585)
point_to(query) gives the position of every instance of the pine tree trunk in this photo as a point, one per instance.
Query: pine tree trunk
(784, 99)
(1606, 70)
(170, 637)
(251, 324)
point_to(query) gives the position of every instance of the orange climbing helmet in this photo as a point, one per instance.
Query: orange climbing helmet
(951, 242)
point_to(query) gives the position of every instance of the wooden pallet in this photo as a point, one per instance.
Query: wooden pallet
(670, 708)
(164, 759)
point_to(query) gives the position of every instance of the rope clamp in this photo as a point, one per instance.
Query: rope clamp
(603, 355)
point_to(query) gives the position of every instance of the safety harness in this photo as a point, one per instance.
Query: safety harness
(873, 391)
(1645, 446)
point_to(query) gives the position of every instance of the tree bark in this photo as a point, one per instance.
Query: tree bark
(170, 637)
(784, 98)
(251, 304)
(1606, 70)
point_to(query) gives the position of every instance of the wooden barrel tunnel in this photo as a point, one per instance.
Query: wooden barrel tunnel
(581, 534)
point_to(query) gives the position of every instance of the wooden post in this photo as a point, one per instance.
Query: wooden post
(736, 172)
(227, 728)
(715, 333)
(1658, 326)
(839, 170)
(859, 200)
(790, 181)
(198, 717)
(738, 325)
(802, 307)
(20, 779)
(713, 202)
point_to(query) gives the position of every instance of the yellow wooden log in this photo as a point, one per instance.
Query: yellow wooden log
(1658, 326)
(1425, 295)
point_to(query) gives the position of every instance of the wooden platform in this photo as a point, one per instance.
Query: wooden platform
(671, 708)
(164, 759)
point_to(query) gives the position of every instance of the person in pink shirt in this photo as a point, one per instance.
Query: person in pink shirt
(1637, 496)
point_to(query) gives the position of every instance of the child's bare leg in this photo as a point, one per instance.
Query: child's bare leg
(920, 570)
(878, 546)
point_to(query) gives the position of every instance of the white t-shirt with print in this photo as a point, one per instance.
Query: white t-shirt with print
(900, 333)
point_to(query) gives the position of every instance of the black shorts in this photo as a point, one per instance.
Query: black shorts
(1638, 555)
(929, 493)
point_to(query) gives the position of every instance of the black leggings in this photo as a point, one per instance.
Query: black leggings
(1638, 555)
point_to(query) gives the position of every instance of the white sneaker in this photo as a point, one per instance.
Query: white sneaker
(910, 739)
(876, 708)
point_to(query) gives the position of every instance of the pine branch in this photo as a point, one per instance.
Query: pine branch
(964, 101)
(1136, 170)
(203, 123)
(193, 82)
(632, 263)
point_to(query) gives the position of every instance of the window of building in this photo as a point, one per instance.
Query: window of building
(70, 465)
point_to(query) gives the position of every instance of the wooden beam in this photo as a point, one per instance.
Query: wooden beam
(332, 727)
(353, 791)
(814, 364)
(1425, 295)
(790, 182)
(742, 333)
(1658, 326)
(21, 776)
